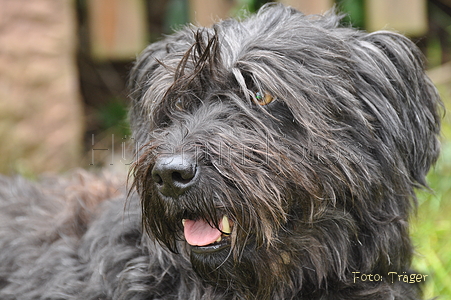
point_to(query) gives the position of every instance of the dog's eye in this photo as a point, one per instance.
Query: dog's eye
(263, 98)
(179, 105)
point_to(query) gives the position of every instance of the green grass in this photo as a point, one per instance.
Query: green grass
(431, 229)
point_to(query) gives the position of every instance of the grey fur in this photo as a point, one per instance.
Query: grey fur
(319, 183)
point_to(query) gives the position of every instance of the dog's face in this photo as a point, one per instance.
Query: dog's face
(282, 150)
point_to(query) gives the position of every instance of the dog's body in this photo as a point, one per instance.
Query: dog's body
(280, 156)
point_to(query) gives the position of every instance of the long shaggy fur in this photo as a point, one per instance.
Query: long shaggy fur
(318, 184)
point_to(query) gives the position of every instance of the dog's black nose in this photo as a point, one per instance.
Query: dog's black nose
(174, 175)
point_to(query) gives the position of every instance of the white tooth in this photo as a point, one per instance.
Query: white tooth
(219, 239)
(225, 225)
(285, 258)
(183, 222)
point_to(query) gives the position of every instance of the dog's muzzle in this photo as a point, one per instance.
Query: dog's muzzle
(173, 176)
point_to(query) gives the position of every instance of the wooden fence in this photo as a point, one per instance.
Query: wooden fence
(118, 26)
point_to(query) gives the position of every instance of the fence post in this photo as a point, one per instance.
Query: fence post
(117, 28)
(408, 17)
(310, 7)
(207, 12)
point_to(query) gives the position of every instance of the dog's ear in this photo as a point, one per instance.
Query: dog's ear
(411, 107)
(150, 74)
(145, 66)
(147, 75)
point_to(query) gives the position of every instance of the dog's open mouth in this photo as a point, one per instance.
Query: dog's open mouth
(205, 238)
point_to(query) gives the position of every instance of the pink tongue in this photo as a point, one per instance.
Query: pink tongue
(200, 233)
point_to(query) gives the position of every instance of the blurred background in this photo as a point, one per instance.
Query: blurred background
(63, 97)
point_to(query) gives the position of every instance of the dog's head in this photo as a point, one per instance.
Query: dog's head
(282, 150)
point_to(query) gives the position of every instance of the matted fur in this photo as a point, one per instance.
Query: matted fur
(319, 183)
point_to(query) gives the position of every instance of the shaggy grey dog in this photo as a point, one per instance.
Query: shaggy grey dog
(279, 157)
